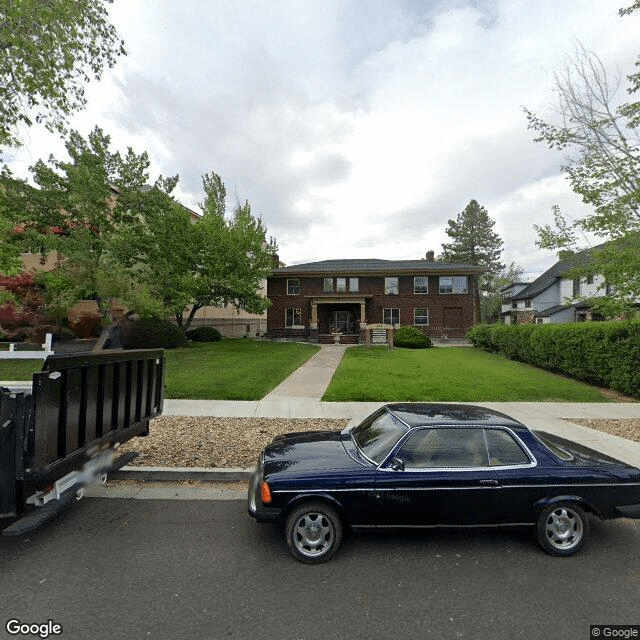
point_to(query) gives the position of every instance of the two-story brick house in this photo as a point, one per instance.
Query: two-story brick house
(315, 300)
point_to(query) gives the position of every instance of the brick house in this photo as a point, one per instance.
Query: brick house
(312, 301)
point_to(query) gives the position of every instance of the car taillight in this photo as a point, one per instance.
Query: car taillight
(265, 493)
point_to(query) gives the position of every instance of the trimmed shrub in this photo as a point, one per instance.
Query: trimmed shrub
(602, 353)
(152, 333)
(411, 338)
(204, 334)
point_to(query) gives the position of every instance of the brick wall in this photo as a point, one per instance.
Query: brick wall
(450, 314)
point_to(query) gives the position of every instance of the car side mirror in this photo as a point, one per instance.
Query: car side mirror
(397, 464)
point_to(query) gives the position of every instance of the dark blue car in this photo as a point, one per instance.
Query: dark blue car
(429, 465)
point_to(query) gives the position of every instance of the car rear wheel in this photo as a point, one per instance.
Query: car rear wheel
(313, 532)
(562, 529)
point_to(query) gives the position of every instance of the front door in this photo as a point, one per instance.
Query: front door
(343, 321)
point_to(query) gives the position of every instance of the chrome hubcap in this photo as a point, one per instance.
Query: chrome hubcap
(563, 528)
(313, 534)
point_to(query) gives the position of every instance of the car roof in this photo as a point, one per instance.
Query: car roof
(416, 414)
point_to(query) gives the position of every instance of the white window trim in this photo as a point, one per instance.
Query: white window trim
(422, 324)
(395, 324)
(292, 279)
(397, 287)
(420, 293)
(292, 326)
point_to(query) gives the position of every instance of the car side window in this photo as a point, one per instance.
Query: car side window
(503, 449)
(444, 448)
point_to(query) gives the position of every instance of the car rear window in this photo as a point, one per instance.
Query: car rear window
(503, 449)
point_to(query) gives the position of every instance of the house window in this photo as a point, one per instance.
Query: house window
(341, 285)
(354, 285)
(293, 318)
(454, 284)
(421, 317)
(293, 286)
(391, 316)
(514, 304)
(328, 285)
(421, 284)
(576, 287)
(391, 286)
(528, 303)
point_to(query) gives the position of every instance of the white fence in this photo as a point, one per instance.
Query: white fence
(36, 354)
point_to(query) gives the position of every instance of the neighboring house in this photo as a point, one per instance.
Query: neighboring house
(232, 322)
(313, 301)
(551, 298)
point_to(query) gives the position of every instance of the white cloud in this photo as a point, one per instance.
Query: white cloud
(355, 128)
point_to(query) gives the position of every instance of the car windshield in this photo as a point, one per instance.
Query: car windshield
(375, 438)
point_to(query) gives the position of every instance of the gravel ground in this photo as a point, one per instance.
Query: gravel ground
(629, 429)
(177, 441)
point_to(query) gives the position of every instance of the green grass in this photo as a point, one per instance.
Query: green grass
(19, 369)
(233, 369)
(453, 374)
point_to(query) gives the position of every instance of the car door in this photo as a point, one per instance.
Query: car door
(437, 476)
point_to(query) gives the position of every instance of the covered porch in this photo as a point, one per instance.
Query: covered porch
(343, 315)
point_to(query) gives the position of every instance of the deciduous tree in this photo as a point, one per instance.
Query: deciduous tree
(49, 50)
(602, 141)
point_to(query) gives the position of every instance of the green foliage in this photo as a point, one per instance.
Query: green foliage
(603, 168)
(602, 353)
(152, 333)
(411, 338)
(189, 263)
(49, 50)
(204, 334)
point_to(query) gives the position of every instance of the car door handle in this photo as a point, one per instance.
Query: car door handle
(489, 483)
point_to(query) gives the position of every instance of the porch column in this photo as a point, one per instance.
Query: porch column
(314, 315)
(363, 325)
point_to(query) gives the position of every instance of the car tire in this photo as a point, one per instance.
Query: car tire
(313, 532)
(562, 529)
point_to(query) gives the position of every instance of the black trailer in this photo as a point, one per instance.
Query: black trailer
(64, 435)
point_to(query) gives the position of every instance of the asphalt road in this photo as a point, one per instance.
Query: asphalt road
(203, 569)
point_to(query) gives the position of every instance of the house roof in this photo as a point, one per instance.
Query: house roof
(543, 282)
(546, 313)
(374, 266)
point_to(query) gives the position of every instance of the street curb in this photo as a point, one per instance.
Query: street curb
(173, 474)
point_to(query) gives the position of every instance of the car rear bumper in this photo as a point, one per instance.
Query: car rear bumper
(254, 503)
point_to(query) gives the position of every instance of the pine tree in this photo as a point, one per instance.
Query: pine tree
(474, 242)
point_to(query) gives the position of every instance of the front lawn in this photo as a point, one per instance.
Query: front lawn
(452, 374)
(232, 369)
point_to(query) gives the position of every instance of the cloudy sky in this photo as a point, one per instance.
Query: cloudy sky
(355, 128)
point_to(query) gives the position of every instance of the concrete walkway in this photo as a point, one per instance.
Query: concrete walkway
(311, 380)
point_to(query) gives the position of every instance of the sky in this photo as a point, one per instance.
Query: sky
(354, 128)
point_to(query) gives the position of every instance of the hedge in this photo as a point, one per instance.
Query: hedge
(204, 334)
(411, 338)
(152, 333)
(606, 354)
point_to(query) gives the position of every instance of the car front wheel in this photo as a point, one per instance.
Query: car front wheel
(562, 529)
(313, 532)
